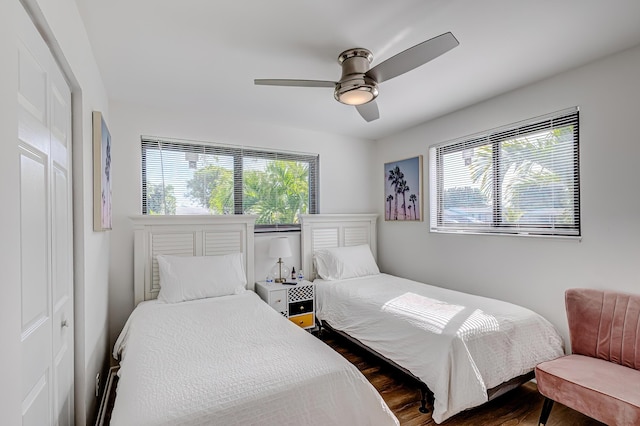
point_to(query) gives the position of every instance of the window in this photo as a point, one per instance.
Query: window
(194, 178)
(518, 179)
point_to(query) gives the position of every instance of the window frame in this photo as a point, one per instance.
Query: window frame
(238, 153)
(494, 138)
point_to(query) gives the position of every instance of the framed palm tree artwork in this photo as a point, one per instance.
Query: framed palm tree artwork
(403, 189)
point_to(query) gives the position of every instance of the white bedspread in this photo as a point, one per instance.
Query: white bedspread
(460, 345)
(233, 360)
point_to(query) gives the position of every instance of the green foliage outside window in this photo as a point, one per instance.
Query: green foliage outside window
(185, 178)
(159, 201)
(516, 179)
(276, 194)
(212, 188)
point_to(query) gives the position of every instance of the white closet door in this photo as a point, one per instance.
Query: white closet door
(44, 156)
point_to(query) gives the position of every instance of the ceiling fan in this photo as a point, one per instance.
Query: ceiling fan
(358, 85)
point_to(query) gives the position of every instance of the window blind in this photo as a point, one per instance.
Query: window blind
(181, 177)
(522, 179)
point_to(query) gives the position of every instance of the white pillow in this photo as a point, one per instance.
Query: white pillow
(196, 277)
(340, 263)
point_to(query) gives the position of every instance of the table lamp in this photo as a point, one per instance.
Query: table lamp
(279, 248)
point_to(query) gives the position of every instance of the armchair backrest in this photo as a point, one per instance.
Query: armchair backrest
(604, 324)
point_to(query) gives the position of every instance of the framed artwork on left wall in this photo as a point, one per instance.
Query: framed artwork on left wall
(101, 174)
(403, 189)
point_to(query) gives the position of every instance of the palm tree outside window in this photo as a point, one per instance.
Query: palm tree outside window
(518, 179)
(182, 177)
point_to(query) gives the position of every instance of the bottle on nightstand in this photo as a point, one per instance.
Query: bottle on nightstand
(293, 273)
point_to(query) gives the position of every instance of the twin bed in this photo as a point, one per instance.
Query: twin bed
(465, 349)
(225, 357)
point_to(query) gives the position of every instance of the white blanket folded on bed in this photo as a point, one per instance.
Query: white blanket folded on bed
(459, 344)
(233, 360)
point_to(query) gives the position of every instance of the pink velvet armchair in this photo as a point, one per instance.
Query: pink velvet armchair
(600, 378)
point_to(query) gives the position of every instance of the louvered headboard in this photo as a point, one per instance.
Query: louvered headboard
(335, 230)
(187, 236)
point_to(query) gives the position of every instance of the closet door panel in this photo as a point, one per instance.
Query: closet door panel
(46, 234)
(35, 284)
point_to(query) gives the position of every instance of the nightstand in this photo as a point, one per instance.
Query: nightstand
(295, 302)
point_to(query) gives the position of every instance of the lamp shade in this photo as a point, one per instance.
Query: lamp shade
(279, 247)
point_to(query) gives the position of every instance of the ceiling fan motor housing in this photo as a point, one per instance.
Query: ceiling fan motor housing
(355, 87)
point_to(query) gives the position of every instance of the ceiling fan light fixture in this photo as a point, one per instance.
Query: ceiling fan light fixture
(360, 93)
(358, 85)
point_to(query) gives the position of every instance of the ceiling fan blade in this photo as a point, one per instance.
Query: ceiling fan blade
(294, 83)
(413, 57)
(369, 111)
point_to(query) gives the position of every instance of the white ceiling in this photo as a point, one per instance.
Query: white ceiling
(204, 54)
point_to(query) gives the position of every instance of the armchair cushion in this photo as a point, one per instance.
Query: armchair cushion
(603, 390)
(605, 324)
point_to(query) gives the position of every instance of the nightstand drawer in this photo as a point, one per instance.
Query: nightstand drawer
(303, 321)
(303, 307)
(278, 300)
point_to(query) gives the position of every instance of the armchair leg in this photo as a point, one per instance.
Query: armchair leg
(546, 410)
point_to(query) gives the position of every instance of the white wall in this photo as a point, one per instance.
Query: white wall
(535, 272)
(65, 33)
(346, 181)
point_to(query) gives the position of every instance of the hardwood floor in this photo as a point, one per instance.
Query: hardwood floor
(518, 407)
